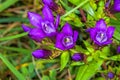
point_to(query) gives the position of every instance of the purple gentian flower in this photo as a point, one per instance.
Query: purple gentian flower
(77, 57)
(41, 53)
(110, 75)
(44, 26)
(66, 39)
(118, 49)
(51, 4)
(116, 5)
(101, 35)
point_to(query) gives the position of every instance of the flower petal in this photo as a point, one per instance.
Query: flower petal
(93, 33)
(71, 46)
(47, 2)
(51, 4)
(59, 43)
(67, 29)
(98, 43)
(101, 25)
(110, 31)
(26, 28)
(35, 19)
(57, 21)
(37, 34)
(47, 14)
(107, 42)
(75, 36)
(116, 5)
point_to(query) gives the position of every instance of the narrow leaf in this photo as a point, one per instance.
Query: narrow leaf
(86, 71)
(64, 59)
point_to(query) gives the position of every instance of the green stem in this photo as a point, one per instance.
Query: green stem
(81, 4)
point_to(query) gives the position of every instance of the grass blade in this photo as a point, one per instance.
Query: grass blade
(7, 4)
(12, 68)
(13, 37)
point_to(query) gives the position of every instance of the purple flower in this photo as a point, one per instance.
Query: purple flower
(41, 53)
(66, 39)
(101, 35)
(116, 5)
(44, 26)
(118, 49)
(110, 75)
(51, 4)
(77, 57)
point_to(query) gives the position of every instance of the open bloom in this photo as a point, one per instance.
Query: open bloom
(45, 26)
(77, 57)
(41, 53)
(116, 5)
(66, 39)
(51, 4)
(101, 35)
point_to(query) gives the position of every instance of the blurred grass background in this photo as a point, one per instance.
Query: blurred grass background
(15, 46)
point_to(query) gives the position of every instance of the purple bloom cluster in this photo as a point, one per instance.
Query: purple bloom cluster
(47, 26)
(101, 35)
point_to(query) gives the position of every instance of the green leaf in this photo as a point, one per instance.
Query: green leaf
(105, 52)
(115, 58)
(77, 63)
(100, 78)
(24, 71)
(12, 68)
(88, 46)
(74, 20)
(80, 49)
(31, 68)
(53, 74)
(116, 35)
(45, 78)
(7, 4)
(86, 71)
(89, 9)
(64, 59)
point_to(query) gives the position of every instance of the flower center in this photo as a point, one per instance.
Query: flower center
(67, 41)
(48, 27)
(101, 37)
